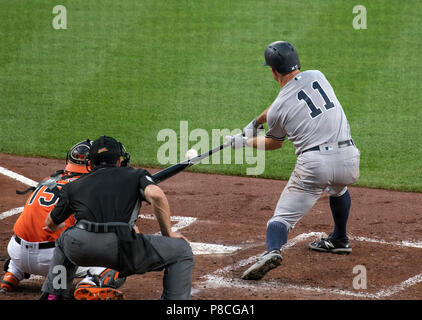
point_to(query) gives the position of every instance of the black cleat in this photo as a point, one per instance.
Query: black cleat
(329, 244)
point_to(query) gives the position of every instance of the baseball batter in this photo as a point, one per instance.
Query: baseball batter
(308, 113)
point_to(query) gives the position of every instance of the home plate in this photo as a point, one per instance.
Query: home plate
(208, 248)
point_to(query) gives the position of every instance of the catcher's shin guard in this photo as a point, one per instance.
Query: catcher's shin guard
(110, 278)
(9, 282)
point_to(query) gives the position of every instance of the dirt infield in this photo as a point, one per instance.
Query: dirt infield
(230, 213)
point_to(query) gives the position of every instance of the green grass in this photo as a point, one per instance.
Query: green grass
(131, 68)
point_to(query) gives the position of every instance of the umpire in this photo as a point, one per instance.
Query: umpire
(106, 203)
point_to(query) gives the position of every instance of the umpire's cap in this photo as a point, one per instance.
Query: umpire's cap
(76, 157)
(107, 150)
(282, 57)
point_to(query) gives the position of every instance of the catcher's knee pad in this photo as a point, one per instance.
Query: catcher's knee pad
(110, 278)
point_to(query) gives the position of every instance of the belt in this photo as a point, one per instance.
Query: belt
(99, 227)
(41, 245)
(341, 144)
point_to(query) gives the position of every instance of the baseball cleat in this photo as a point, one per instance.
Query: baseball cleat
(331, 245)
(267, 262)
(90, 292)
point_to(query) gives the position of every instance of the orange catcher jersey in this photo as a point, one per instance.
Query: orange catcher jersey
(30, 223)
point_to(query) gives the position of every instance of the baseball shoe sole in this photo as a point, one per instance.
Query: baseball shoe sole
(331, 245)
(266, 263)
(95, 293)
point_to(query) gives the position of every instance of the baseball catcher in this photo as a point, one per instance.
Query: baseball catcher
(31, 247)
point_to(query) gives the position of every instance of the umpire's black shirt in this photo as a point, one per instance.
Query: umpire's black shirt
(107, 194)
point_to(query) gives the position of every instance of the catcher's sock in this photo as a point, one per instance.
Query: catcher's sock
(276, 235)
(340, 208)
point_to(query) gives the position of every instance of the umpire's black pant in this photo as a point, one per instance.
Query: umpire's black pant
(76, 247)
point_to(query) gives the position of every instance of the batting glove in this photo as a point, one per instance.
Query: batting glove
(237, 141)
(251, 130)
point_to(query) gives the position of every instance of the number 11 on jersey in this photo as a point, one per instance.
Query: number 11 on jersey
(315, 111)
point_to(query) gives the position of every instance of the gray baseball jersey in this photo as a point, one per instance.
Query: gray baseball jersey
(308, 112)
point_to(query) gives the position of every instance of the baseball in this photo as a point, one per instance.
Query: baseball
(191, 153)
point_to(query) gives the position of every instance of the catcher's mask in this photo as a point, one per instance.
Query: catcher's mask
(76, 157)
(106, 151)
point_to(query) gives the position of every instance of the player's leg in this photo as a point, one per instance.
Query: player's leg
(345, 172)
(293, 204)
(295, 201)
(11, 278)
(337, 241)
(59, 280)
(85, 248)
(176, 257)
(340, 208)
(13, 267)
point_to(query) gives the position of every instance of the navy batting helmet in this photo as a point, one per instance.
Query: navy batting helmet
(282, 57)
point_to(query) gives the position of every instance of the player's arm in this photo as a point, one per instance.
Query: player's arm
(256, 124)
(262, 118)
(57, 217)
(272, 140)
(264, 143)
(161, 208)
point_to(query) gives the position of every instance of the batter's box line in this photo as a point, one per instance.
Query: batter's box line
(216, 282)
(219, 278)
(18, 177)
(198, 248)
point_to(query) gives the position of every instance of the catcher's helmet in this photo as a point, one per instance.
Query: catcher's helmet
(107, 150)
(76, 157)
(282, 57)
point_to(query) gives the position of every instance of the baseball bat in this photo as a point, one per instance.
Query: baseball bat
(178, 167)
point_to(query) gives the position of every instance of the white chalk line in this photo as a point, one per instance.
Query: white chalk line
(183, 222)
(198, 248)
(220, 278)
(409, 244)
(10, 213)
(18, 177)
(215, 282)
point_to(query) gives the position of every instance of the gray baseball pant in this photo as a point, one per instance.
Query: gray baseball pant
(314, 173)
(76, 247)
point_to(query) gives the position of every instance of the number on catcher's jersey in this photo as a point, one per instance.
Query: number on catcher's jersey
(44, 196)
(315, 111)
